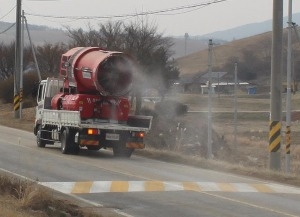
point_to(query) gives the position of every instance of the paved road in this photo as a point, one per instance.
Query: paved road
(144, 187)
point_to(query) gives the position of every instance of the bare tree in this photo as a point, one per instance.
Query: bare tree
(111, 35)
(48, 57)
(78, 38)
(7, 60)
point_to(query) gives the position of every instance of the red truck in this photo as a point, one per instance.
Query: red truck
(88, 104)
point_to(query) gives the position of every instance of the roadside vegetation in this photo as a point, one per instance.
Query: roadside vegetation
(27, 199)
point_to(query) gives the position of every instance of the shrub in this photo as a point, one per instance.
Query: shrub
(7, 87)
(170, 109)
(7, 90)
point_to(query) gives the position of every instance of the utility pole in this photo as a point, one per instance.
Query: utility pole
(296, 31)
(17, 61)
(235, 104)
(218, 84)
(209, 124)
(288, 90)
(186, 36)
(32, 50)
(21, 65)
(276, 85)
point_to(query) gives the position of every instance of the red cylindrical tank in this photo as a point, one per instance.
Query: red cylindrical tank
(93, 70)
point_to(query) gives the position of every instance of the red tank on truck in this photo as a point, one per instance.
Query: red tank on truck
(87, 105)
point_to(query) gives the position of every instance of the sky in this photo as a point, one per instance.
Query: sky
(200, 20)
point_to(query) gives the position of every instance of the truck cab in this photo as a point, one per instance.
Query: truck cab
(47, 89)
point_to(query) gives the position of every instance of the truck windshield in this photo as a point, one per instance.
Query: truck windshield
(54, 86)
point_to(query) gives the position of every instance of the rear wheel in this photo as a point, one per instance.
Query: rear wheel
(68, 145)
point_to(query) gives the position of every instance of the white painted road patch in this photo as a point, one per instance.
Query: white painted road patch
(157, 186)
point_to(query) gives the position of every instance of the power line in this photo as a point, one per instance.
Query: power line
(8, 12)
(157, 12)
(7, 28)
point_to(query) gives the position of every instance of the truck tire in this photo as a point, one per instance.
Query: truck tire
(120, 150)
(68, 146)
(41, 143)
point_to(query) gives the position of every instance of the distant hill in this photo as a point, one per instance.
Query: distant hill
(182, 48)
(200, 42)
(39, 34)
(198, 62)
(247, 30)
(191, 45)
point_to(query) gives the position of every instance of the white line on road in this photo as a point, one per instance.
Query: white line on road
(151, 186)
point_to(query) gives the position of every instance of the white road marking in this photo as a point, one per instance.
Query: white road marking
(145, 186)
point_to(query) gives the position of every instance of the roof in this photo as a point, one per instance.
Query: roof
(201, 78)
(214, 75)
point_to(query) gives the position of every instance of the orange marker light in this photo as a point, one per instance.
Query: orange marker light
(93, 132)
(138, 134)
(141, 134)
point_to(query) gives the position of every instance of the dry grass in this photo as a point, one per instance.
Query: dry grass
(24, 198)
(7, 117)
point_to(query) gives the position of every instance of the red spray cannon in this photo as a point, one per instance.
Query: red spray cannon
(93, 70)
(96, 83)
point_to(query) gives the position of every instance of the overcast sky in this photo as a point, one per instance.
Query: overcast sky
(194, 21)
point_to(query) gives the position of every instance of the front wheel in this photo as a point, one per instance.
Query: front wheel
(40, 139)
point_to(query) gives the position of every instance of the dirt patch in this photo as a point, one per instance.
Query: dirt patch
(7, 117)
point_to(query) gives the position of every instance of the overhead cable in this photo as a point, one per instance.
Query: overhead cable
(157, 12)
(8, 12)
(7, 28)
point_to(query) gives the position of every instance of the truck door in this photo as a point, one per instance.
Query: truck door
(40, 100)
